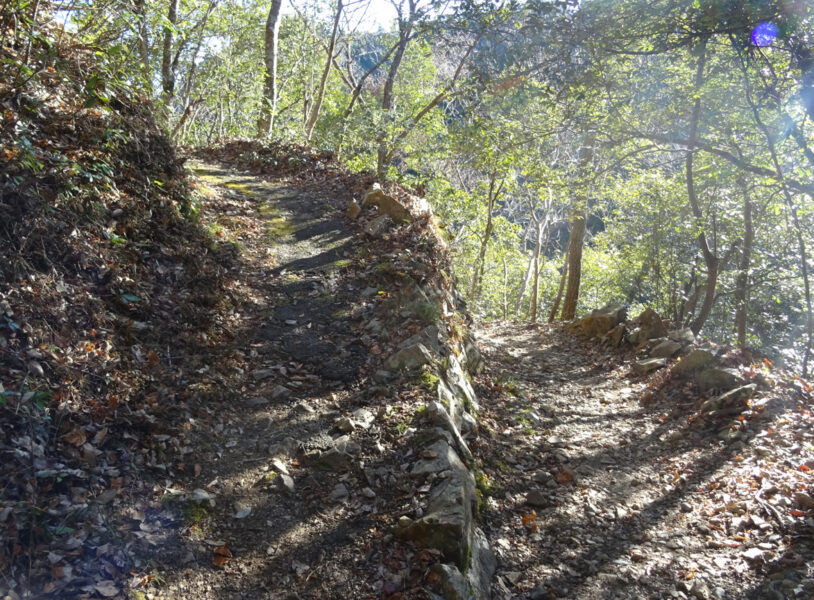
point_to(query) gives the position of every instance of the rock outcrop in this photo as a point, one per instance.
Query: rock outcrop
(442, 356)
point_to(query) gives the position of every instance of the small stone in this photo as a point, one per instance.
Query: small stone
(537, 498)
(648, 365)
(686, 507)
(303, 408)
(353, 210)
(378, 227)
(694, 361)
(539, 592)
(285, 483)
(368, 493)
(345, 425)
(260, 374)
(253, 402)
(242, 509)
(339, 493)
(279, 466)
(753, 554)
(280, 392)
(665, 349)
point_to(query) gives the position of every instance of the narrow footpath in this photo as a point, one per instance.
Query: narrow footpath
(601, 487)
(238, 515)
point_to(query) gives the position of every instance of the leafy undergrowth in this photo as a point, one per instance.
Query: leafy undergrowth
(101, 277)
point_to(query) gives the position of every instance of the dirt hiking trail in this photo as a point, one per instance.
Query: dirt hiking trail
(602, 489)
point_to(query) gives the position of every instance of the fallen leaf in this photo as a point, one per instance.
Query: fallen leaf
(76, 437)
(107, 588)
(222, 555)
(564, 476)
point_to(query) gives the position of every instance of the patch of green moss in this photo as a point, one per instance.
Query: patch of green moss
(427, 379)
(194, 513)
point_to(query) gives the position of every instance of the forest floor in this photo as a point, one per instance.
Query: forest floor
(204, 484)
(603, 487)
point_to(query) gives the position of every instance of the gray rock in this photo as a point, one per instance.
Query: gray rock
(280, 392)
(254, 402)
(378, 227)
(339, 493)
(409, 358)
(718, 379)
(482, 565)
(473, 360)
(437, 415)
(538, 498)
(468, 424)
(363, 418)
(353, 210)
(260, 374)
(447, 524)
(666, 349)
(648, 365)
(454, 586)
(602, 320)
(429, 336)
(694, 361)
(650, 325)
(459, 385)
(284, 483)
(732, 399)
(684, 335)
(386, 205)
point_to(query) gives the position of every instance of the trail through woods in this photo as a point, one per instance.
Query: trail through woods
(601, 488)
(264, 458)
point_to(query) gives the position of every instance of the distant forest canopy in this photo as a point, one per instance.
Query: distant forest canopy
(649, 152)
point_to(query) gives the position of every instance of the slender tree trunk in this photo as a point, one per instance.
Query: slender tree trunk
(143, 44)
(518, 301)
(405, 34)
(558, 298)
(711, 261)
(34, 14)
(505, 289)
(576, 239)
(494, 192)
(167, 71)
(538, 227)
(268, 110)
(317, 106)
(742, 282)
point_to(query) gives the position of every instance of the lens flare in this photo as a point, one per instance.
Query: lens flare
(764, 34)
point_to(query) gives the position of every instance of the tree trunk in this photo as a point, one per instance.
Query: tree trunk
(556, 306)
(268, 110)
(505, 289)
(538, 227)
(742, 282)
(405, 31)
(167, 72)
(711, 261)
(576, 239)
(518, 302)
(477, 275)
(317, 106)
